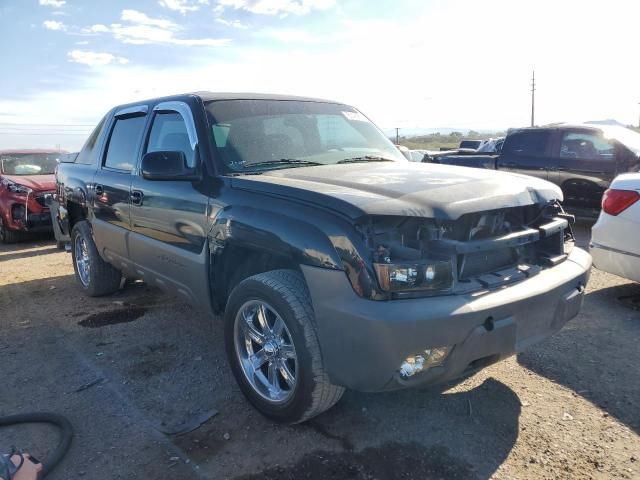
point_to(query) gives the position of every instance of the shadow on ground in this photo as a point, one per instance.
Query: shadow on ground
(388, 461)
(5, 257)
(597, 355)
(143, 358)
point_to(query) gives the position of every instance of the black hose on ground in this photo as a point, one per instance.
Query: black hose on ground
(66, 434)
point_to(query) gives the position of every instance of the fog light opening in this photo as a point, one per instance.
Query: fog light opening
(18, 212)
(430, 357)
(488, 324)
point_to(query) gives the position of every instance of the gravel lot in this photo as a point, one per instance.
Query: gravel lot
(129, 368)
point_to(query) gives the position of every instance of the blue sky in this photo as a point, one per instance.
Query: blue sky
(429, 63)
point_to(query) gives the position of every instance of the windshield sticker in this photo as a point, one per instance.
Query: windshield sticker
(355, 116)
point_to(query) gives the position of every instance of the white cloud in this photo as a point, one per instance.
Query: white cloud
(97, 28)
(276, 7)
(54, 25)
(134, 16)
(140, 29)
(53, 3)
(391, 69)
(232, 23)
(95, 59)
(183, 6)
(82, 42)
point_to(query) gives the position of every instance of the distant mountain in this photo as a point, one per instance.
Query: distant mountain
(609, 121)
(416, 132)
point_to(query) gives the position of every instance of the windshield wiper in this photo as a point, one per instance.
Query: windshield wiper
(366, 158)
(283, 161)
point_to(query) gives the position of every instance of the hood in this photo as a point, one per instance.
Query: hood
(37, 183)
(402, 188)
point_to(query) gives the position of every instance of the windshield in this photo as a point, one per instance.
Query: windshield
(625, 136)
(259, 135)
(29, 163)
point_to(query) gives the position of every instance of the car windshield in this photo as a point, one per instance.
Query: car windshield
(625, 136)
(29, 163)
(260, 135)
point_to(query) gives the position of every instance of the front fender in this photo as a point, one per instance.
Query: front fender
(265, 231)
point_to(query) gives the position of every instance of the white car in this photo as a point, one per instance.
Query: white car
(615, 238)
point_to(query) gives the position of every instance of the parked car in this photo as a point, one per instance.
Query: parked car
(417, 155)
(335, 262)
(404, 151)
(492, 145)
(26, 180)
(471, 144)
(614, 239)
(581, 159)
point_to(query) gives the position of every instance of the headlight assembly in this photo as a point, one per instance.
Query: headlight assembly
(433, 275)
(17, 188)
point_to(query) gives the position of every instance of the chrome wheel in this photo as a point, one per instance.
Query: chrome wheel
(265, 351)
(81, 252)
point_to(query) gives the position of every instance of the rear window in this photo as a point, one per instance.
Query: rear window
(532, 143)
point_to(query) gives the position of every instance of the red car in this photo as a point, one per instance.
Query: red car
(26, 179)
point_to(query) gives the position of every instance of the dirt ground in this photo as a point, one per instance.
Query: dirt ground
(130, 369)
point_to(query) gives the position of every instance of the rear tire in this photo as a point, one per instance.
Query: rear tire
(302, 387)
(9, 236)
(95, 276)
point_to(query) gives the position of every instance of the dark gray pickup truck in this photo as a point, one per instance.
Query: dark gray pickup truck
(582, 160)
(335, 262)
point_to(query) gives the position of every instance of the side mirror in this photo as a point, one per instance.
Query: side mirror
(167, 165)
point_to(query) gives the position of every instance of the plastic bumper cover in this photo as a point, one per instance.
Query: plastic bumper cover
(364, 342)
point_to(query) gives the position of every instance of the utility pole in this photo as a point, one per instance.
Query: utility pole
(397, 136)
(533, 98)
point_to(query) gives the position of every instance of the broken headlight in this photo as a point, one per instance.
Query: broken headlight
(16, 187)
(435, 275)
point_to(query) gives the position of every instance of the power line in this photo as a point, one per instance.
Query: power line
(43, 130)
(2, 124)
(48, 133)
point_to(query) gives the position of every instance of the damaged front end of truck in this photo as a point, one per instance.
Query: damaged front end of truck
(416, 257)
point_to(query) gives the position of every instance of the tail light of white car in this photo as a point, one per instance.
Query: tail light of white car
(615, 201)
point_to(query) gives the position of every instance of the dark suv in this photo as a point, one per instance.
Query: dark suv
(581, 159)
(335, 261)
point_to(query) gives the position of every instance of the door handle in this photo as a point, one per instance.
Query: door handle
(136, 197)
(99, 189)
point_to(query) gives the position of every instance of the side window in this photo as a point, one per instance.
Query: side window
(532, 143)
(123, 143)
(87, 154)
(169, 133)
(586, 146)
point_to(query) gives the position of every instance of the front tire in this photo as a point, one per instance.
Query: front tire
(8, 236)
(95, 276)
(273, 349)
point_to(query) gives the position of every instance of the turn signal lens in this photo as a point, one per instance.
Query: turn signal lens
(615, 201)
